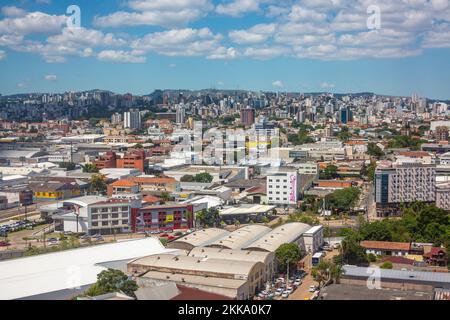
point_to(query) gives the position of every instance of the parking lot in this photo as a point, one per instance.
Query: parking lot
(282, 288)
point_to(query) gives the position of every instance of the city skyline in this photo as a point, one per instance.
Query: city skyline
(294, 46)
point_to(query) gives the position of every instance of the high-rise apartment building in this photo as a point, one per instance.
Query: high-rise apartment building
(180, 114)
(248, 116)
(132, 119)
(442, 133)
(404, 183)
(116, 118)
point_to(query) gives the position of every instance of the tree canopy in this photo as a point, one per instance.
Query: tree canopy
(208, 217)
(90, 168)
(343, 199)
(287, 253)
(330, 172)
(374, 150)
(98, 183)
(109, 281)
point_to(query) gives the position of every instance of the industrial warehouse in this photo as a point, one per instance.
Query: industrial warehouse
(233, 264)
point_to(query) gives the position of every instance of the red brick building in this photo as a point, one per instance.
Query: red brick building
(108, 160)
(133, 160)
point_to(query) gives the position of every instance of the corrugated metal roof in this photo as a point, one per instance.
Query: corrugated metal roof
(285, 233)
(242, 237)
(421, 276)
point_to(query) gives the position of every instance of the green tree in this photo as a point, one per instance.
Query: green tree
(203, 177)
(371, 257)
(287, 253)
(345, 134)
(90, 168)
(343, 199)
(387, 265)
(165, 196)
(187, 178)
(98, 183)
(208, 217)
(374, 150)
(109, 281)
(330, 172)
(351, 250)
(327, 272)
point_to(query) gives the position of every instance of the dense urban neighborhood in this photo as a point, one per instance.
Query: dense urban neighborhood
(224, 195)
(207, 159)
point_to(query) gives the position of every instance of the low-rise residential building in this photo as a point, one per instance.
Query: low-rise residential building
(156, 184)
(52, 191)
(384, 248)
(122, 187)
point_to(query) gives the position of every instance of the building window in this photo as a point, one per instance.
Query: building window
(104, 209)
(95, 224)
(94, 210)
(95, 217)
(104, 216)
(115, 209)
(105, 223)
(124, 221)
(115, 215)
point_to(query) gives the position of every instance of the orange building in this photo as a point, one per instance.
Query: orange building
(133, 160)
(122, 186)
(334, 184)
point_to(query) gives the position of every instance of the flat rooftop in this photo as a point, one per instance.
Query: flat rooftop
(246, 209)
(349, 292)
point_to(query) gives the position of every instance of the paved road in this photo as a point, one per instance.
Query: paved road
(302, 292)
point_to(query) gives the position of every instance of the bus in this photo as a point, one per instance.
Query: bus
(317, 258)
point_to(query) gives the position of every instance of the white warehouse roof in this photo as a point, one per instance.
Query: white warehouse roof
(46, 273)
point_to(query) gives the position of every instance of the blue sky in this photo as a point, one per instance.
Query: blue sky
(388, 47)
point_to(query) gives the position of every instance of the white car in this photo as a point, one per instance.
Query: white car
(297, 283)
(285, 294)
(290, 290)
(312, 288)
(279, 292)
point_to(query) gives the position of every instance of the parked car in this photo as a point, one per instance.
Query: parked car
(4, 244)
(52, 240)
(312, 288)
(279, 292)
(298, 283)
(290, 290)
(285, 294)
(327, 248)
